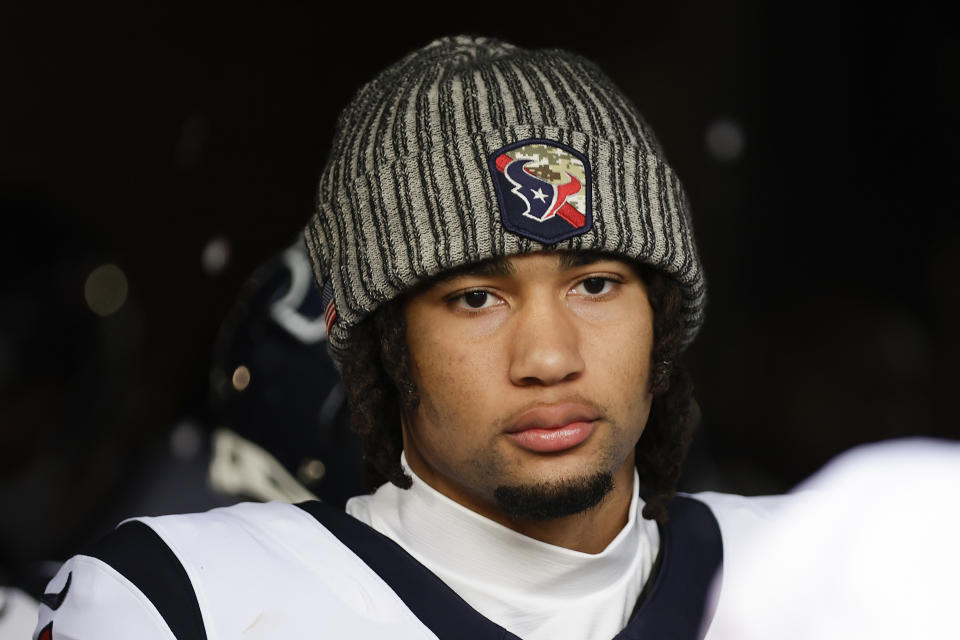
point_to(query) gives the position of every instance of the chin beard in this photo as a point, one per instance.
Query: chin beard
(550, 500)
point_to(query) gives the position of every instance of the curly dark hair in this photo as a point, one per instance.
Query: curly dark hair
(380, 390)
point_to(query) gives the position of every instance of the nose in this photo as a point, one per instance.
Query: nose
(546, 345)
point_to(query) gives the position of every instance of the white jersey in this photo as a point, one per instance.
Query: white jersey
(277, 570)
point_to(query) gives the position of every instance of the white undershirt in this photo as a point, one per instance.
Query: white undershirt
(536, 590)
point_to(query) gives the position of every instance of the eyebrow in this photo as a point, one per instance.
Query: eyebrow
(573, 259)
(493, 268)
(501, 267)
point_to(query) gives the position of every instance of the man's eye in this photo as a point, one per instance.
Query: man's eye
(476, 299)
(594, 286)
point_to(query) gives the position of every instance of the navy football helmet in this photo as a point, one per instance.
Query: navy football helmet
(279, 410)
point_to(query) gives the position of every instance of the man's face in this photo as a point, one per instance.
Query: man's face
(533, 375)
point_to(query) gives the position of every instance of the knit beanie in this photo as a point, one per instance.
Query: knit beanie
(472, 148)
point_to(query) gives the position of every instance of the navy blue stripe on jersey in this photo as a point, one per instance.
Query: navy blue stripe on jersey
(691, 552)
(435, 604)
(136, 552)
(54, 600)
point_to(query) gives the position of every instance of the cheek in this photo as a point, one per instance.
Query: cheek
(440, 363)
(453, 377)
(625, 352)
(621, 365)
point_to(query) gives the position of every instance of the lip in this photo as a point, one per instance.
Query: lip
(551, 428)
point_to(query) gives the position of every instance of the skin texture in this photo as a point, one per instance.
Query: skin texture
(548, 333)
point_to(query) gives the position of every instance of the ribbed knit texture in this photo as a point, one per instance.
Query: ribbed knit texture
(407, 192)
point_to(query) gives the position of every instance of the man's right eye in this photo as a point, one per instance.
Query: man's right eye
(477, 299)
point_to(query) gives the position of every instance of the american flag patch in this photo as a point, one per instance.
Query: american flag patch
(326, 301)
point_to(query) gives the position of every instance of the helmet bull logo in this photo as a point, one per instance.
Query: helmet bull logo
(543, 188)
(542, 199)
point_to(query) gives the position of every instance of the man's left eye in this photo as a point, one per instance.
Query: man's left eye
(476, 299)
(594, 286)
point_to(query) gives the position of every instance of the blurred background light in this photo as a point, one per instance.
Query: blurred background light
(725, 140)
(106, 289)
(241, 378)
(215, 256)
(311, 471)
(186, 440)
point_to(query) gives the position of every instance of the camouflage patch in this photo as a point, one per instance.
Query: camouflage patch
(543, 188)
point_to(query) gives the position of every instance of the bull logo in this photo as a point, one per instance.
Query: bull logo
(543, 188)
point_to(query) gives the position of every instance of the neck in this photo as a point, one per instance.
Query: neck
(589, 531)
(532, 588)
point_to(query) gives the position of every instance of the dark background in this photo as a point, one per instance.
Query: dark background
(145, 137)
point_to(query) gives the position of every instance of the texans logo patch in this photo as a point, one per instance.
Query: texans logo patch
(543, 188)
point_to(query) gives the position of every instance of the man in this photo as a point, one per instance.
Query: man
(510, 278)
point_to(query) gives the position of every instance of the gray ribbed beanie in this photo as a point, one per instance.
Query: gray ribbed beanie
(472, 148)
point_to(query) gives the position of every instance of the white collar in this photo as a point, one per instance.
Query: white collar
(501, 572)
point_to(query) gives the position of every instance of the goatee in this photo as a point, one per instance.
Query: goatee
(550, 500)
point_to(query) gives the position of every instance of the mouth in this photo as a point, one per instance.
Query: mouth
(552, 428)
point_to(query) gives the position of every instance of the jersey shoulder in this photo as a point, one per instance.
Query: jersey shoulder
(742, 520)
(733, 510)
(259, 569)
